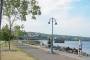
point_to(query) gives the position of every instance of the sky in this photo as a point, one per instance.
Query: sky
(72, 17)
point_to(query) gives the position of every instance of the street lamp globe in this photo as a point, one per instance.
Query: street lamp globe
(55, 23)
(49, 22)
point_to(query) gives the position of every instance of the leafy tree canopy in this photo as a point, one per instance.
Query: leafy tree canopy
(18, 32)
(5, 33)
(18, 9)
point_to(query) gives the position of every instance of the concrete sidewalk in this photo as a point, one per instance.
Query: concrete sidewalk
(44, 54)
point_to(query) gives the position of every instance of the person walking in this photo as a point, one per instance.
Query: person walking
(41, 43)
(49, 43)
(80, 48)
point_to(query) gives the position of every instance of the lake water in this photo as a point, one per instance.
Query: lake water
(1, 41)
(73, 44)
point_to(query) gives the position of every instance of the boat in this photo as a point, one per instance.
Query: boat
(58, 40)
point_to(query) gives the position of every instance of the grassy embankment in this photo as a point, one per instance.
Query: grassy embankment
(17, 54)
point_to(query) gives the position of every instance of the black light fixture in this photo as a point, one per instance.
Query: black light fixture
(49, 22)
(55, 23)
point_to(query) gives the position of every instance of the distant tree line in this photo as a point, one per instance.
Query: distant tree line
(43, 36)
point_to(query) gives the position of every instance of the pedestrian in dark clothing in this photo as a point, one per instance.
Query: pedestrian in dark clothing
(49, 43)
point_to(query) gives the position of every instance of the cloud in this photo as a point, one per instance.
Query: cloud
(29, 24)
(47, 6)
(75, 26)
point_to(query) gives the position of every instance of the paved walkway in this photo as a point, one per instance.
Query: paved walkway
(44, 54)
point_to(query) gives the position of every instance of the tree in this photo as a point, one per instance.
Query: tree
(5, 34)
(14, 10)
(22, 32)
(18, 32)
(1, 7)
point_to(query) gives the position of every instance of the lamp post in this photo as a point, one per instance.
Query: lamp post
(52, 20)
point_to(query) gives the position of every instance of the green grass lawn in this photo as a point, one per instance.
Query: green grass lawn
(17, 54)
